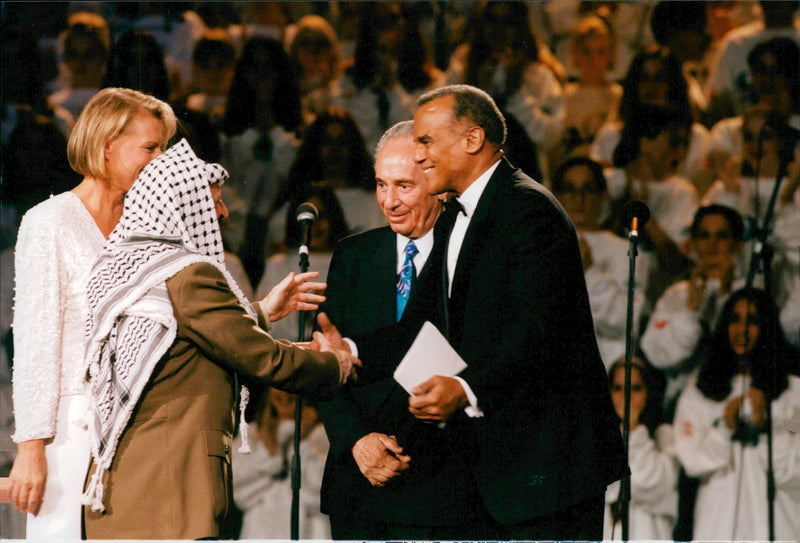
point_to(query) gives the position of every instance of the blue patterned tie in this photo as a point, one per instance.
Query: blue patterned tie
(405, 278)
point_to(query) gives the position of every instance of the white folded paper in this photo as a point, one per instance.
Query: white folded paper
(429, 355)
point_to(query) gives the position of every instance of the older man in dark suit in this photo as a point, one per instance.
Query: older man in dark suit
(388, 476)
(530, 418)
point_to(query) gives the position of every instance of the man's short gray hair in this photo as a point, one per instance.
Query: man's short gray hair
(403, 128)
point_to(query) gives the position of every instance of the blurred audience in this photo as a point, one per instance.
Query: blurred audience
(261, 118)
(369, 89)
(590, 100)
(332, 155)
(213, 65)
(262, 484)
(85, 54)
(687, 312)
(650, 147)
(580, 186)
(729, 87)
(314, 48)
(655, 78)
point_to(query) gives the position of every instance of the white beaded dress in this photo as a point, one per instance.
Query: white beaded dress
(57, 244)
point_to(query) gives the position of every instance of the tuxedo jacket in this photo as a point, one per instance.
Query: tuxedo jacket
(519, 315)
(171, 475)
(361, 297)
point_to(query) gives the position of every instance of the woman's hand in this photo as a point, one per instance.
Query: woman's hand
(28, 476)
(294, 293)
(732, 409)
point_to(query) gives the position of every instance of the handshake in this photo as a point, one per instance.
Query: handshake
(330, 340)
(296, 292)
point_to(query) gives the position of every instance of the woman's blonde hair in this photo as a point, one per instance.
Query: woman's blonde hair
(104, 118)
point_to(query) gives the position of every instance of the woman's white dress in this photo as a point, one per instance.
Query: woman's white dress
(57, 244)
(654, 493)
(732, 496)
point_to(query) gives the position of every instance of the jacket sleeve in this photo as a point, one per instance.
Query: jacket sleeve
(38, 315)
(212, 317)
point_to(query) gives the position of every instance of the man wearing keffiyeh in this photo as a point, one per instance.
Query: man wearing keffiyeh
(168, 329)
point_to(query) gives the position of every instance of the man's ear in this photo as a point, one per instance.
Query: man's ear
(474, 140)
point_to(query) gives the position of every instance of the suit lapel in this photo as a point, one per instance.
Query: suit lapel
(381, 282)
(477, 235)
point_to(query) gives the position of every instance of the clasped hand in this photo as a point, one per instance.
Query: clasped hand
(380, 458)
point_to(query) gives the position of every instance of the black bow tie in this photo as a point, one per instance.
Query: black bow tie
(453, 205)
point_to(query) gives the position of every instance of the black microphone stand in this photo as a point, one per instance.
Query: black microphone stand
(637, 214)
(298, 416)
(761, 258)
(625, 484)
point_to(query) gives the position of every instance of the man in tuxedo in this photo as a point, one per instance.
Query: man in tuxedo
(530, 419)
(387, 475)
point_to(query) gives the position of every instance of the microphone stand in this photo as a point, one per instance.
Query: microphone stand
(298, 417)
(625, 484)
(762, 257)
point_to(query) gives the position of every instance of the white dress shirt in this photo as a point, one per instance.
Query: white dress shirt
(424, 245)
(469, 199)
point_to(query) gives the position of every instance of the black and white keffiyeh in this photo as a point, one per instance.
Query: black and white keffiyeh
(168, 222)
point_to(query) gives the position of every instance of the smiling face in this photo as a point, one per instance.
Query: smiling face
(743, 328)
(141, 141)
(714, 242)
(581, 196)
(441, 148)
(402, 191)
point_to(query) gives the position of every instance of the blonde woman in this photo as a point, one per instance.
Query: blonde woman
(119, 131)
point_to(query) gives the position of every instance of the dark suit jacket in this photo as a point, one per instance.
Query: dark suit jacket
(519, 316)
(435, 490)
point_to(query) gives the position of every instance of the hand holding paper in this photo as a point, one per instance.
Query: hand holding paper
(426, 373)
(437, 399)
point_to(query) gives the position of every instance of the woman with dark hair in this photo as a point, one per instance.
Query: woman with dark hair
(654, 78)
(416, 70)
(654, 467)
(580, 186)
(263, 68)
(721, 422)
(688, 310)
(504, 58)
(369, 89)
(137, 62)
(332, 155)
(649, 148)
(261, 118)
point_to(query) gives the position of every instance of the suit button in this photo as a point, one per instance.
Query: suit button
(536, 480)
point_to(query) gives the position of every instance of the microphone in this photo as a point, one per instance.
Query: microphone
(306, 215)
(635, 214)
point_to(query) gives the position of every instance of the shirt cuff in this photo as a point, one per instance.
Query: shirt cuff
(262, 304)
(352, 345)
(472, 410)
